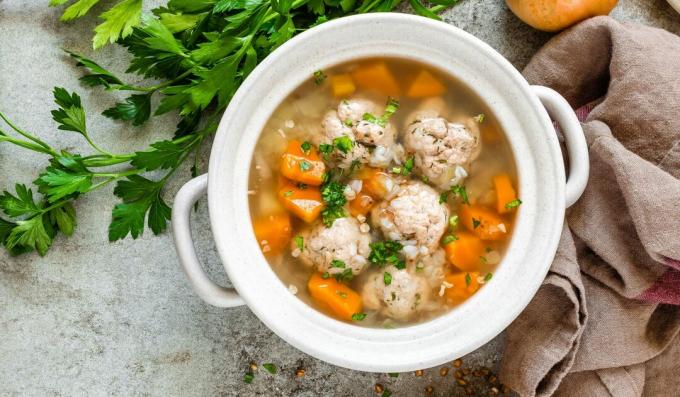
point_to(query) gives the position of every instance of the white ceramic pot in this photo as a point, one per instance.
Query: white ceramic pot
(544, 190)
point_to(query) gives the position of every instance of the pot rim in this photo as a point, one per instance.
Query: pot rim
(541, 183)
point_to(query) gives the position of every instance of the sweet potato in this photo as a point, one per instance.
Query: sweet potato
(375, 182)
(505, 193)
(465, 252)
(483, 222)
(361, 205)
(425, 85)
(272, 232)
(339, 299)
(464, 286)
(302, 166)
(305, 203)
(342, 85)
(376, 76)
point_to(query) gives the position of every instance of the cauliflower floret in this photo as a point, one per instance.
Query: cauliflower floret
(348, 121)
(442, 148)
(404, 296)
(343, 241)
(413, 216)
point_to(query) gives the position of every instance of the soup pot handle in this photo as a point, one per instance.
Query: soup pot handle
(184, 244)
(577, 150)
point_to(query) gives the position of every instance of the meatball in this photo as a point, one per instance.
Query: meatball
(348, 120)
(413, 216)
(432, 267)
(404, 296)
(442, 148)
(343, 241)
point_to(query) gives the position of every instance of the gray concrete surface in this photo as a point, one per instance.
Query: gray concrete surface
(94, 318)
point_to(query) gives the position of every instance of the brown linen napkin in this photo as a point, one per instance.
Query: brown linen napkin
(606, 320)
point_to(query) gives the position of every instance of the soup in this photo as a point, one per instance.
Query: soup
(382, 192)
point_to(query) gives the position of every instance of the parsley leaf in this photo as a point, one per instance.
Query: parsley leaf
(271, 368)
(70, 115)
(513, 204)
(386, 253)
(300, 242)
(319, 77)
(140, 195)
(333, 196)
(468, 279)
(136, 108)
(387, 278)
(118, 22)
(343, 143)
(97, 75)
(358, 316)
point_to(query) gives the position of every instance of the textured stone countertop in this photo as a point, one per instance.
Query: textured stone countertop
(94, 318)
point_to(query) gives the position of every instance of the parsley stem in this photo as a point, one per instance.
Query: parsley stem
(97, 148)
(27, 145)
(24, 133)
(156, 87)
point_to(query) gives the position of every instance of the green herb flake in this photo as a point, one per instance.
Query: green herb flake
(479, 118)
(468, 279)
(248, 377)
(513, 204)
(488, 277)
(305, 165)
(483, 259)
(348, 122)
(338, 264)
(288, 193)
(332, 193)
(344, 144)
(461, 192)
(325, 275)
(408, 165)
(343, 295)
(449, 239)
(319, 77)
(387, 278)
(300, 242)
(444, 197)
(346, 275)
(358, 316)
(476, 223)
(386, 393)
(426, 179)
(302, 186)
(488, 249)
(271, 368)
(420, 267)
(371, 118)
(453, 222)
(325, 148)
(306, 147)
(386, 253)
(396, 170)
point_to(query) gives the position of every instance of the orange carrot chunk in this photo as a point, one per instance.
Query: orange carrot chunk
(361, 204)
(425, 85)
(376, 76)
(302, 165)
(340, 300)
(375, 182)
(465, 252)
(272, 232)
(342, 85)
(505, 193)
(483, 222)
(305, 203)
(464, 286)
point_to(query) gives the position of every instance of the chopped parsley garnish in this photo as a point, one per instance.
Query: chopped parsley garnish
(338, 263)
(248, 377)
(346, 275)
(358, 316)
(325, 149)
(453, 222)
(468, 279)
(300, 242)
(387, 278)
(482, 258)
(488, 249)
(325, 275)
(488, 276)
(408, 165)
(305, 165)
(343, 143)
(461, 192)
(301, 185)
(343, 295)
(306, 147)
(386, 253)
(479, 118)
(348, 122)
(444, 197)
(476, 223)
(271, 368)
(288, 193)
(333, 196)
(319, 77)
(390, 108)
(513, 204)
(419, 267)
(449, 239)
(426, 179)
(386, 393)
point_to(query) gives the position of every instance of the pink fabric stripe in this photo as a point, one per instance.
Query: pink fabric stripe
(665, 290)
